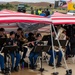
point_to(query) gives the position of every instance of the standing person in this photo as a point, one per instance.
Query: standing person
(43, 14)
(47, 12)
(40, 11)
(32, 10)
(36, 12)
(44, 11)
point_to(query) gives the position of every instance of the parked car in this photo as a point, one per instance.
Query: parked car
(21, 8)
(71, 12)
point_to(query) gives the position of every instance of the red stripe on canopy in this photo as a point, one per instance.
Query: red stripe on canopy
(59, 18)
(8, 16)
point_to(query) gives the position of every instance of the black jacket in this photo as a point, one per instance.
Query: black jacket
(72, 42)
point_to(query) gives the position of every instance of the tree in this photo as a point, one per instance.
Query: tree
(26, 5)
(8, 6)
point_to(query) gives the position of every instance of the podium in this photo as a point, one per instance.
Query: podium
(41, 49)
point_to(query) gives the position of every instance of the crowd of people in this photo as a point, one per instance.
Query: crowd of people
(31, 41)
(40, 12)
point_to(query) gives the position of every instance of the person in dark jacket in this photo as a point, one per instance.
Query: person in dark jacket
(36, 12)
(31, 37)
(50, 52)
(2, 35)
(72, 43)
(32, 10)
(47, 12)
(34, 55)
(12, 41)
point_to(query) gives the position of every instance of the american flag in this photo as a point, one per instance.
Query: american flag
(67, 3)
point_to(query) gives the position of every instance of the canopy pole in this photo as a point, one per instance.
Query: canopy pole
(53, 49)
(68, 71)
(60, 47)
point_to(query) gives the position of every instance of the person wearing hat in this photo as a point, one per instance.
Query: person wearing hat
(34, 55)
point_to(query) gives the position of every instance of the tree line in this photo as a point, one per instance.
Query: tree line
(10, 6)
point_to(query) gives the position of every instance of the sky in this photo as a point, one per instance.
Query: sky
(51, 1)
(29, 0)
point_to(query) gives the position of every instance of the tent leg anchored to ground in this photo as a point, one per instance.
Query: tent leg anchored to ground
(68, 71)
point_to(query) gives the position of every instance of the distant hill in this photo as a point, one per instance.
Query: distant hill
(40, 4)
(37, 4)
(2, 2)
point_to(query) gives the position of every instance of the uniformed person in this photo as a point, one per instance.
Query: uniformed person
(12, 41)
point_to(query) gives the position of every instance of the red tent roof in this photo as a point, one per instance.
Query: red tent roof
(59, 18)
(8, 16)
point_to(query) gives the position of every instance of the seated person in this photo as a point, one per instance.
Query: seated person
(19, 32)
(13, 41)
(21, 40)
(20, 43)
(72, 43)
(50, 52)
(33, 55)
(2, 64)
(31, 37)
(51, 61)
(2, 35)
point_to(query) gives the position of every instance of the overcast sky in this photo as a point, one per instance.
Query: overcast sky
(32, 0)
(29, 0)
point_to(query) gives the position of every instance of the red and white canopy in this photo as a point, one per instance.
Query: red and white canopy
(44, 29)
(64, 6)
(8, 16)
(59, 18)
(9, 27)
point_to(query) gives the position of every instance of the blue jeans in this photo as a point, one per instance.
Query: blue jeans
(2, 62)
(18, 57)
(55, 53)
(33, 57)
(68, 52)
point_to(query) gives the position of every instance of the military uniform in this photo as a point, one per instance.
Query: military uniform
(14, 54)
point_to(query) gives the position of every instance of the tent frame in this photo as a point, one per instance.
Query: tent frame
(68, 71)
